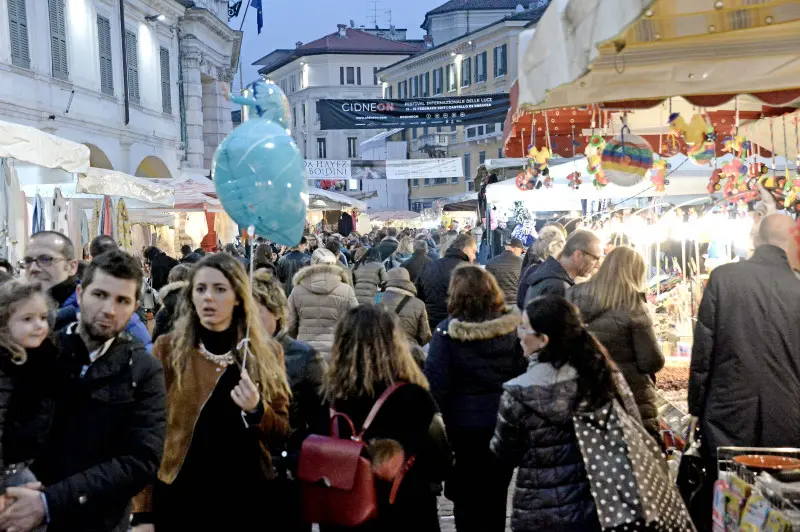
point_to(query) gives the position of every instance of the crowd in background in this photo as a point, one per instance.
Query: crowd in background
(133, 392)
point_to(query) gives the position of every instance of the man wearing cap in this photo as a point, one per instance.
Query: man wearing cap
(506, 268)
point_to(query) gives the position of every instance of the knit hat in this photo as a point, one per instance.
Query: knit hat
(323, 256)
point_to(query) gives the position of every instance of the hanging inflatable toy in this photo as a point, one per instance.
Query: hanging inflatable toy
(715, 181)
(694, 132)
(258, 171)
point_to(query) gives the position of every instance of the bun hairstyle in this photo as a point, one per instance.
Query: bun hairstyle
(571, 343)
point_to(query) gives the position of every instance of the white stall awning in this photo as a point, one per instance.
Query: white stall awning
(325, 200)
(105, 182)
(30, 145)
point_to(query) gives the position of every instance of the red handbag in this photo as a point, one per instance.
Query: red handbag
(337, 482)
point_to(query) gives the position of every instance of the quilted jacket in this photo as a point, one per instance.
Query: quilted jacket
(535, 433)
(413, 316)
(434, 282)
(321, 295)
(367, 278)
(506, 269)
(631, 341)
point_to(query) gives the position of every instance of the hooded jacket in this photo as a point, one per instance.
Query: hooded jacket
(535, 433)
(388, 246)
(434, 282)
(367, 279)
(166, 315)
(631, 341)
(289, 265)
(413, 316)
(321, 295)
(549, 278)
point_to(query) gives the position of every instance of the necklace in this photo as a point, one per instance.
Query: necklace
(223, 360)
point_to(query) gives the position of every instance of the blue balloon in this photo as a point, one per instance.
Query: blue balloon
(261, 180)
(268, 101)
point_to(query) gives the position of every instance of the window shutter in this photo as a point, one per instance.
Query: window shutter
(58, 38)
(104, 43)
(131, 49)
(341, 75)
(358, 75)
(18, 28)
(166, 88)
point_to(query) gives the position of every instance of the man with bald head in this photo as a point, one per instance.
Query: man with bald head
(744, 383)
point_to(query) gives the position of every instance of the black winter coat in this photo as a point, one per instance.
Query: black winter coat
(405, 417)
(387, 247)
(506, 269)
(107, 437)
(160, 266)
(168, 295)
(26, 404)
(288, 266)
(416, 265)
(435, 280)
(549, 278)
(522, 288)
(535, 433)
(744, 382)
(631, 341)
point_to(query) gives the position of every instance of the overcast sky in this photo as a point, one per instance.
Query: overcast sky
(289, 21)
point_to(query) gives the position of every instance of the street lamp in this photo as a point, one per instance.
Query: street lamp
(158, 16)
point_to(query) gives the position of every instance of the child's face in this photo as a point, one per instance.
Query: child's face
(28, 324)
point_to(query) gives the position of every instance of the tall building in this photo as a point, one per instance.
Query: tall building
(341, 65)
(482, 60)
(64, 66)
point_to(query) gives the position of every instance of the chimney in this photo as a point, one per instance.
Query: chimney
(298, 44)
(428, 41)
(342, 30)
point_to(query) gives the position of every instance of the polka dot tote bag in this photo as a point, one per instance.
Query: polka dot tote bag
(627, 474)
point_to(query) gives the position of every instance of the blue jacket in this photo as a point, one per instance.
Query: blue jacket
(68, 313)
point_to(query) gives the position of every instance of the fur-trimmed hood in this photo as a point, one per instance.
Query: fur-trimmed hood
(469, 331)
(171, 288)
(321, 278)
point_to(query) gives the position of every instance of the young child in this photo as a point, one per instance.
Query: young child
(27, 361)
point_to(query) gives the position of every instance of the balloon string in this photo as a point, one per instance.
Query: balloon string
(245, 343)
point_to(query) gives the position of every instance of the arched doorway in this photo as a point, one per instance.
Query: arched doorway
(98, 158)
(152, 166)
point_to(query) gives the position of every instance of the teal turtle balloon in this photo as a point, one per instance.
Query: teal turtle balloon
(258, 171)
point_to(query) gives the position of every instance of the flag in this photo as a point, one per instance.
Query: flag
(259, 14)
(233, 9)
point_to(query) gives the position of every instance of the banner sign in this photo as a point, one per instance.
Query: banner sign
(395, 169)
(378, 114)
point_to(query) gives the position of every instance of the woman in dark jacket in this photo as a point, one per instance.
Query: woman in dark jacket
(471, 355)
(613, 306)
(370, 353)
(534, 426)
(168, 295)
(308, 413)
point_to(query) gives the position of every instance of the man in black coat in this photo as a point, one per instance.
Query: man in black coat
(291, 263)
(389, 244)
(581, 255)
(108, 429)
(435, 279)
(744, 381)
(416, 264)
(506, 269)
(160, 266)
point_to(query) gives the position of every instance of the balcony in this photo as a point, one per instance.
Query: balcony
(435, 142)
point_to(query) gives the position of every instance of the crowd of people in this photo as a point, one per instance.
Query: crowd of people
(107, 425)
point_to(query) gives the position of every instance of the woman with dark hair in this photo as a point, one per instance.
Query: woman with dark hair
(369, 275)
(370, 354)
(569, 371)
(472, 353)
(220, 419)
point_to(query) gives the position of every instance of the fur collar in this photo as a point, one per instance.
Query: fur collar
(167, 289)
(469, 331)
(398, 290)
(317, 269)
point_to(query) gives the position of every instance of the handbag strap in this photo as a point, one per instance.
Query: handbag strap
(377, 406)
(402, 304)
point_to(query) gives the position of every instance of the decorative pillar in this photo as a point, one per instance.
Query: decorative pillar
(216, 115)
(193, 91)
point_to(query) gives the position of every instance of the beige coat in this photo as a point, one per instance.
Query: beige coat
(322, 294)
(367, 279)
(413, 316)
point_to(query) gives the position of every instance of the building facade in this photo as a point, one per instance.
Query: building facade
(341, 65)
(482, 61)
(142, 91)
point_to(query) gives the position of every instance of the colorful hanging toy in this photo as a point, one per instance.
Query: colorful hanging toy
(658, 175)
(574, 180)
(694, 132)
(626, 159)
(594, 167)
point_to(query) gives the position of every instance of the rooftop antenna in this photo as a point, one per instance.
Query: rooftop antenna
(372, 17)
(388, 13)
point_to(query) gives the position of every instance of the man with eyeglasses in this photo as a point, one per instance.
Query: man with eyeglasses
(50, 260)
(580, 257)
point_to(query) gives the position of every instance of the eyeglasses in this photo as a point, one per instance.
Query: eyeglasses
(595, 257)
(43, 261)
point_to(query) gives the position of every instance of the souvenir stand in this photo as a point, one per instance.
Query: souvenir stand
(334, 212)
(395, 218)
(635, 82)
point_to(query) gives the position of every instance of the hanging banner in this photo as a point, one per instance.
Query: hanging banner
(376, 114)
(394, 169)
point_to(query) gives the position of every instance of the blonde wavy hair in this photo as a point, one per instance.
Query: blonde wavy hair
(265, 367)
(370, 352)
(269, 294)
(619, 283)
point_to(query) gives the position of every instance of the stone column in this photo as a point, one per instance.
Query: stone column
(216, 118)
(193, 91)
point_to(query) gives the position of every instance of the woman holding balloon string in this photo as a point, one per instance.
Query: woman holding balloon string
(223, 408)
